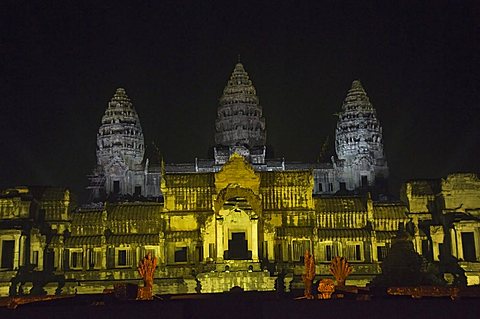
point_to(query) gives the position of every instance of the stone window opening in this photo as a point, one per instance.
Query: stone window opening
(35, 258)
(382, 252)
(123, 257)
(278, 252)
(330, 250)
(76, 258)
(7, 252)
(468, 246)
(95, 258)
(354, 252)
(298, 249)
(181, 254)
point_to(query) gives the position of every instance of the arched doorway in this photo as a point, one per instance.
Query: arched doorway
(237, 229)
(237, 213)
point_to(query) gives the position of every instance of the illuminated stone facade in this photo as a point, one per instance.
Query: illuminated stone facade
(445, 216)
(33, 221)
(235, 227)
(239, 219)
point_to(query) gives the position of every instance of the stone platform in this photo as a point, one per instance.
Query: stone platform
(216, 281)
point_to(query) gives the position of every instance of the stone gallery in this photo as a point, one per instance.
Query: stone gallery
(239, 219)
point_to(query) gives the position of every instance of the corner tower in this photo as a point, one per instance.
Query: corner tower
(120, 134)
(359, 142)
(240, 126)
(120, 146)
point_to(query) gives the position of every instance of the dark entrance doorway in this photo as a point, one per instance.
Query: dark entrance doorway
(138, 191)
(468, 244)
(8, 247)
(237, 247)
(364, 181)
(116, 187)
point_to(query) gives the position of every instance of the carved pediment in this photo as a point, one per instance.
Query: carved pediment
(363, 162)
(116, 166)
(461, 182)
(237, 172)
(233, 191)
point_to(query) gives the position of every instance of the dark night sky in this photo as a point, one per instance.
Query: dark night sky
(60, 64)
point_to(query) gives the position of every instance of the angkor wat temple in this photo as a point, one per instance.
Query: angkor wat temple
(237, 219)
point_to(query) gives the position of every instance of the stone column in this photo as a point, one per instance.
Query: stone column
(254, 239)
(85, 256)
(21, 248)
(220, 235)
(136, 257)
(454, 244)
(104, 258)
(476, 237)
(162, 257)
(373, 247)
(41, 253)
(271, 247)
(16, 253)
(56, 258)
(61, 253)
(206, 250)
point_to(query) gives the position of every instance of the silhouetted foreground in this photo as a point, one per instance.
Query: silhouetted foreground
(245, 305)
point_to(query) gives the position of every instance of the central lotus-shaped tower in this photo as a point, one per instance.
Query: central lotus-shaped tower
(240, 125)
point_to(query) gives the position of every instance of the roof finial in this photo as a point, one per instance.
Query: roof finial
(239, 59)
(357, 85)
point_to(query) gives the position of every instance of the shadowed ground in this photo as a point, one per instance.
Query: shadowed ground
(245, 305)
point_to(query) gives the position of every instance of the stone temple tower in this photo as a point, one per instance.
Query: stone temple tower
(240, 125)
(359, 142)
(120, 146)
